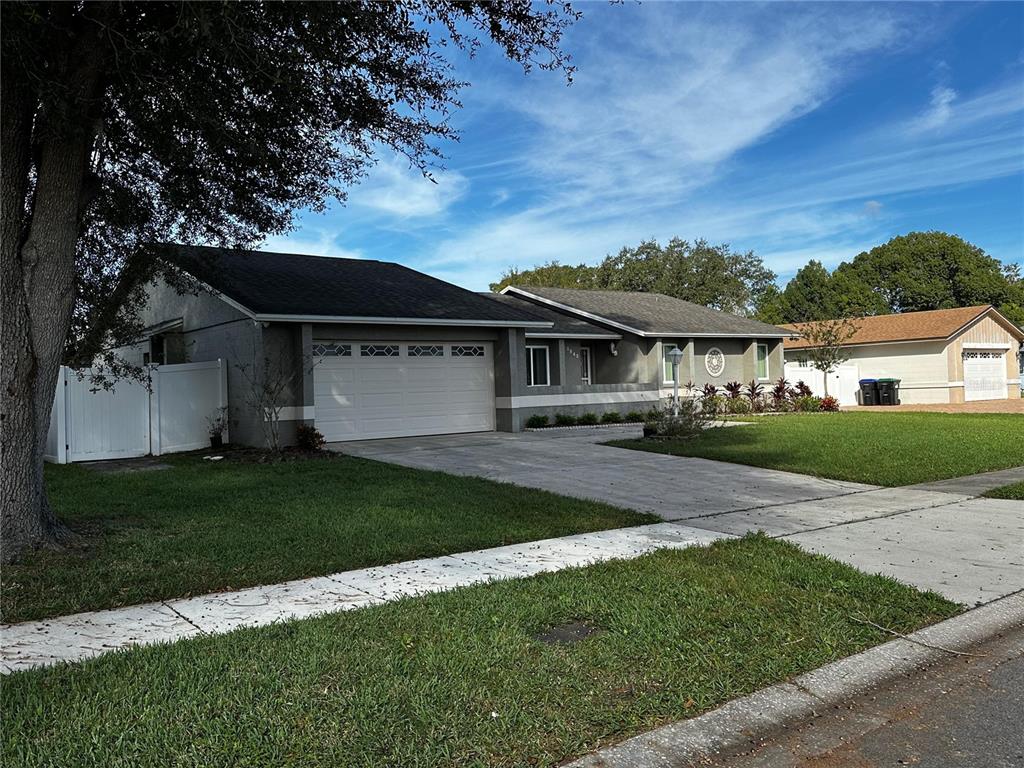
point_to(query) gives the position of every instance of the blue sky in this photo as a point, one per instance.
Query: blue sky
(796, 130)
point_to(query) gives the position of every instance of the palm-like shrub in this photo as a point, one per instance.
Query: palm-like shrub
(734, 389)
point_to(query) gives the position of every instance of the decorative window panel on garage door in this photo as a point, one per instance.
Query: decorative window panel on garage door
(399, 389)
(984, 375)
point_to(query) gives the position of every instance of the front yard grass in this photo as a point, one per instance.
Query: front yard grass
(460, 678)
(1012, 491)
(876, 448)
(203, 526)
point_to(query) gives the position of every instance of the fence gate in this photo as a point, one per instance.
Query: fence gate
(88, 424)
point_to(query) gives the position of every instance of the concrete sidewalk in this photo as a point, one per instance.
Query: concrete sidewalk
(84, 635)
(975, 485)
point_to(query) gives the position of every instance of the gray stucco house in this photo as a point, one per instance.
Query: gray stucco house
(372, 349)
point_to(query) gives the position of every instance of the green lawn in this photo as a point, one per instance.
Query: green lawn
(1013, 491)
(203, 526)
(878, 448)
(459, 678)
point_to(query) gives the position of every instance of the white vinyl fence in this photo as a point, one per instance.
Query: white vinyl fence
(132, 420)
(843, 384)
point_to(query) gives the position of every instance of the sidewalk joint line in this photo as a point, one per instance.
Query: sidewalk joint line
(182, 616)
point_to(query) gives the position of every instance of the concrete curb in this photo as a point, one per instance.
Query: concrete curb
(687, 742)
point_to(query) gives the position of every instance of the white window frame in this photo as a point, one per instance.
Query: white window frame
(532, 378)
(666, 364)
(589, 377)
(767, 364)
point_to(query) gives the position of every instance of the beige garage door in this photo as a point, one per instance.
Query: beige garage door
(365, 390)
(984, 375)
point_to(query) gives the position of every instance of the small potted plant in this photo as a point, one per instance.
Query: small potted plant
(217, 424)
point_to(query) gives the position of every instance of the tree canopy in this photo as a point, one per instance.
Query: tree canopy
(712, 275)
(125, 124)
(910, 273)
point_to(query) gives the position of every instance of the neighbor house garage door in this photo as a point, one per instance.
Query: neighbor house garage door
(366, 390)
(984, 375)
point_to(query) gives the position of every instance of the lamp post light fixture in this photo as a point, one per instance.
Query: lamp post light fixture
(675, 355)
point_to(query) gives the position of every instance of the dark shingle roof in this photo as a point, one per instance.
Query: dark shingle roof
(652, 314)
(290, 284)
(564, 324)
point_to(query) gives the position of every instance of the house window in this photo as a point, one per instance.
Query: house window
(425, 350)
(585, 374)
(466, 351)
(666, 347)
(326, 349)
(379, 350)
(156, 350)
(537, 367)
(762, 361)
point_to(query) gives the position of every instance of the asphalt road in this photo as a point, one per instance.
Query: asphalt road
(966, 711)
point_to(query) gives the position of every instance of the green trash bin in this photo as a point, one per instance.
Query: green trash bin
(888, 391)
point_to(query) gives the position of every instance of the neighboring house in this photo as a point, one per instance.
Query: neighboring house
(940, 356)
(372, 349)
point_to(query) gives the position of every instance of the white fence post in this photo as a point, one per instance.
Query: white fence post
(154, 410)
(61, 415)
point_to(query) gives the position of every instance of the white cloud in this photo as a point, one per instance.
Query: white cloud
(395, 188)
(872, 208)
(940, 109)
(310, 242)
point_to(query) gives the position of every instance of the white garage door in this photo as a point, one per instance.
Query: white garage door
(984, 375)
(366, 390)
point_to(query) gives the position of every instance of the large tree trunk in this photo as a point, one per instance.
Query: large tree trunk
(37, 290)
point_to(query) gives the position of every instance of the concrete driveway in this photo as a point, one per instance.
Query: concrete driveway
(943, 539)
(572, 462)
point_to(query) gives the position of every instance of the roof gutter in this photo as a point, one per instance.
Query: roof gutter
(276, 318)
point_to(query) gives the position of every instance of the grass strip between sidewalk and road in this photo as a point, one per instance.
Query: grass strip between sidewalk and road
(205, 526)
(888, 449)
(461, 678)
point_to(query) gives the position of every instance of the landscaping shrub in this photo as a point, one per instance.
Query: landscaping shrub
(611, 417)
(308, 438)
(691, 419)
(712, 404)
(709, 390)
(537, 421)
(801, 390)
(807, 404)
(634, 417)
(829, 403)
(565, 420)
(754, 391)
(738, 405)
(587, 419)
(734, 389)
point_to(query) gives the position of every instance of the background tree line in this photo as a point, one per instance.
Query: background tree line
(910, 273)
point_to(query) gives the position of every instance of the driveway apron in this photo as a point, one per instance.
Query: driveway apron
(936, 536)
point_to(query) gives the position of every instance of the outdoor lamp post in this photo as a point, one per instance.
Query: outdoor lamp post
(675, 355)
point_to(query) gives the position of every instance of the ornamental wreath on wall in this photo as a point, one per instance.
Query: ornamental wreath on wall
(714, 361)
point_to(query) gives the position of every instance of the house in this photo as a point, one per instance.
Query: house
(370, 349)
(940, 356)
